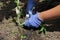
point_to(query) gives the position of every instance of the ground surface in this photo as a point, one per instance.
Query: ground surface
(10, 31)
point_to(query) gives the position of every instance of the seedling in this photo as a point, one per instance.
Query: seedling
(43, 29)
(23, 36)
(18, 12)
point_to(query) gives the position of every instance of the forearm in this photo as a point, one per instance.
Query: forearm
(50, 14)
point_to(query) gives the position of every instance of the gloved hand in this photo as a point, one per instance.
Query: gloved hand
(30, 5)
(33, 21)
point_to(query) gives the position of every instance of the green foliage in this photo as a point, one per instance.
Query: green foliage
(43, 29)
(23, 36)
(18, 12)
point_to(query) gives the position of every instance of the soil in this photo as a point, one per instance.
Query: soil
(10, 31)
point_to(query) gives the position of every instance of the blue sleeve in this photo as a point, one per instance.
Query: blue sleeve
(31, 4)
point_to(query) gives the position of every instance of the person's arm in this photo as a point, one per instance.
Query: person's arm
(50, 14)
(37, 19)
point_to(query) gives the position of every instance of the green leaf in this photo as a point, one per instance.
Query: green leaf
(23, 36)
(43, 29)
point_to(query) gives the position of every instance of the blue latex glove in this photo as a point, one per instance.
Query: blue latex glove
(33, 21)
(30, 5)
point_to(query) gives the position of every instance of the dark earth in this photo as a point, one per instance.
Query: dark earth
(10, 31)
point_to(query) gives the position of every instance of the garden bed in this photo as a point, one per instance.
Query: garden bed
(10, 31)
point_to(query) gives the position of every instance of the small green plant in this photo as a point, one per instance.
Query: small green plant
(23, 36)
(43, 29)
(18, 12)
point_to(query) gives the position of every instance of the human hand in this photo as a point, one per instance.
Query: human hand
(33, 21)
